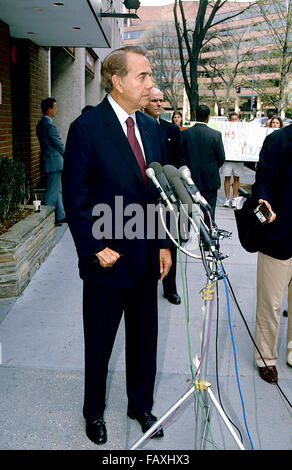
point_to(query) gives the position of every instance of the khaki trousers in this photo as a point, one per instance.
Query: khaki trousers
(273, 278)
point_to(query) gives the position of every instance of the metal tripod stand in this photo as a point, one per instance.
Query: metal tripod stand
(201, 388)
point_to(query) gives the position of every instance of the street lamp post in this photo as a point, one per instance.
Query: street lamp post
(161, 61)
(251, 99)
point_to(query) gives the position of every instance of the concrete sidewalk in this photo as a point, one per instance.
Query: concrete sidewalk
(41, 374)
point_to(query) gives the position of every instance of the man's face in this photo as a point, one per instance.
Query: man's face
(154, 107)
(52, 111)
(234, 118)
(132, 91)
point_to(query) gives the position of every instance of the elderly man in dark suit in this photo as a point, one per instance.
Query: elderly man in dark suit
(273, 187)
(174, 152)
(106, 154)
(51, 157)
(204, 153)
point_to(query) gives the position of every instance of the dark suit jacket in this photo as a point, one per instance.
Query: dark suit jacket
(52, 146)
(274, 184)
(173, 144)
(98, 166)
(204, 153)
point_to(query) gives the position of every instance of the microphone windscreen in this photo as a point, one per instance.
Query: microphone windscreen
(171, 170)
(163, 180)
(182, 194)
(156, 167)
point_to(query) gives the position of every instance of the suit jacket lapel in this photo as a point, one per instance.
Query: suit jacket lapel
(146, 136)
(119, 139)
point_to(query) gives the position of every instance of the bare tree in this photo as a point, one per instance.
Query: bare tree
(193, 36)
(163, 54)
(277, 15)
(230, 56)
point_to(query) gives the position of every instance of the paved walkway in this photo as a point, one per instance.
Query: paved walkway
(41, 374)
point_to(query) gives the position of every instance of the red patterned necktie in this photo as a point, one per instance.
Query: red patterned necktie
(136, 147)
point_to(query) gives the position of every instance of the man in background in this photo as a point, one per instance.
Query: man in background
(51, 158)
(174, 151)
(204, 154)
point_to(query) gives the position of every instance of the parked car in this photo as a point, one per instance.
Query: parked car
(218, 118)
(287, 122)
(261, 120)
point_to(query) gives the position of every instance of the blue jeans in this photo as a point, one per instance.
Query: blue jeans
(53, 196)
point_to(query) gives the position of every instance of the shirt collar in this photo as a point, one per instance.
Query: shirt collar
(48, 117)
(122, 115)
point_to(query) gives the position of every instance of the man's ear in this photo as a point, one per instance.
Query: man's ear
(117, 82)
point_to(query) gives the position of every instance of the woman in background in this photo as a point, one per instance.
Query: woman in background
(177, 119)
(276, 122)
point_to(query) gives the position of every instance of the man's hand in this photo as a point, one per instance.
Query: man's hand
(107, 257)
(273, 215)
(165, 262)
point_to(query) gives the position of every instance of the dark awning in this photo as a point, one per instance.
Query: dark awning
(57, 23)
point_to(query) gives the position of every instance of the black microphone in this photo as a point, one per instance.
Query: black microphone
(151, 174)
(185, 174)
(165, 184)
(173, 176)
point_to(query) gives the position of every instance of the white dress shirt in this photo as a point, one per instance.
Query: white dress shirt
(122, 117)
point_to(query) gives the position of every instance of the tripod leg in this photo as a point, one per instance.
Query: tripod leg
(163, 418)
(226, 421)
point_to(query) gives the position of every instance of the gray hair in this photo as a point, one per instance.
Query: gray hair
(115, 63)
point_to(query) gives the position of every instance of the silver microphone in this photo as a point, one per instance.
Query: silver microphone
(186, 176)
(151, 174)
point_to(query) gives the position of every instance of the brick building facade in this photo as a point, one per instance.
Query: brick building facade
(37, 61)
(6, 142)
(29, 85)
(24, 83)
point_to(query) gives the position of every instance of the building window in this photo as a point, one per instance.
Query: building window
(89, 62)
(132, 34)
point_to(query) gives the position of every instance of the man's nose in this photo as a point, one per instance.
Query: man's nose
(150, 83)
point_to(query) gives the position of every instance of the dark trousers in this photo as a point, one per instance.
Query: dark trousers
(53, 196)
(102, 311)
(169, 282)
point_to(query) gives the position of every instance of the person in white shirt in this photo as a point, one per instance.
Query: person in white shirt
(229, 169)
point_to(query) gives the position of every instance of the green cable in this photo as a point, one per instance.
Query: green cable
(188, 336)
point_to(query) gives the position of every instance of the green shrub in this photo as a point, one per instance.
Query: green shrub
(13, 188)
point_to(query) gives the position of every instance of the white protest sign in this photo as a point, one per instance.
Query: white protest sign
(242, 141)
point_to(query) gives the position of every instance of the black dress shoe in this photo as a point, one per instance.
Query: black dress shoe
(173, 298)
(146, 420)
(96, 431)
(60, 222)
(269, 374)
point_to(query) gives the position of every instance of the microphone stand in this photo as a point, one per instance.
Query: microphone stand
(201, 388)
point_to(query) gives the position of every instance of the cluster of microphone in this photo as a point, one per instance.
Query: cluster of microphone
(177, 188)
